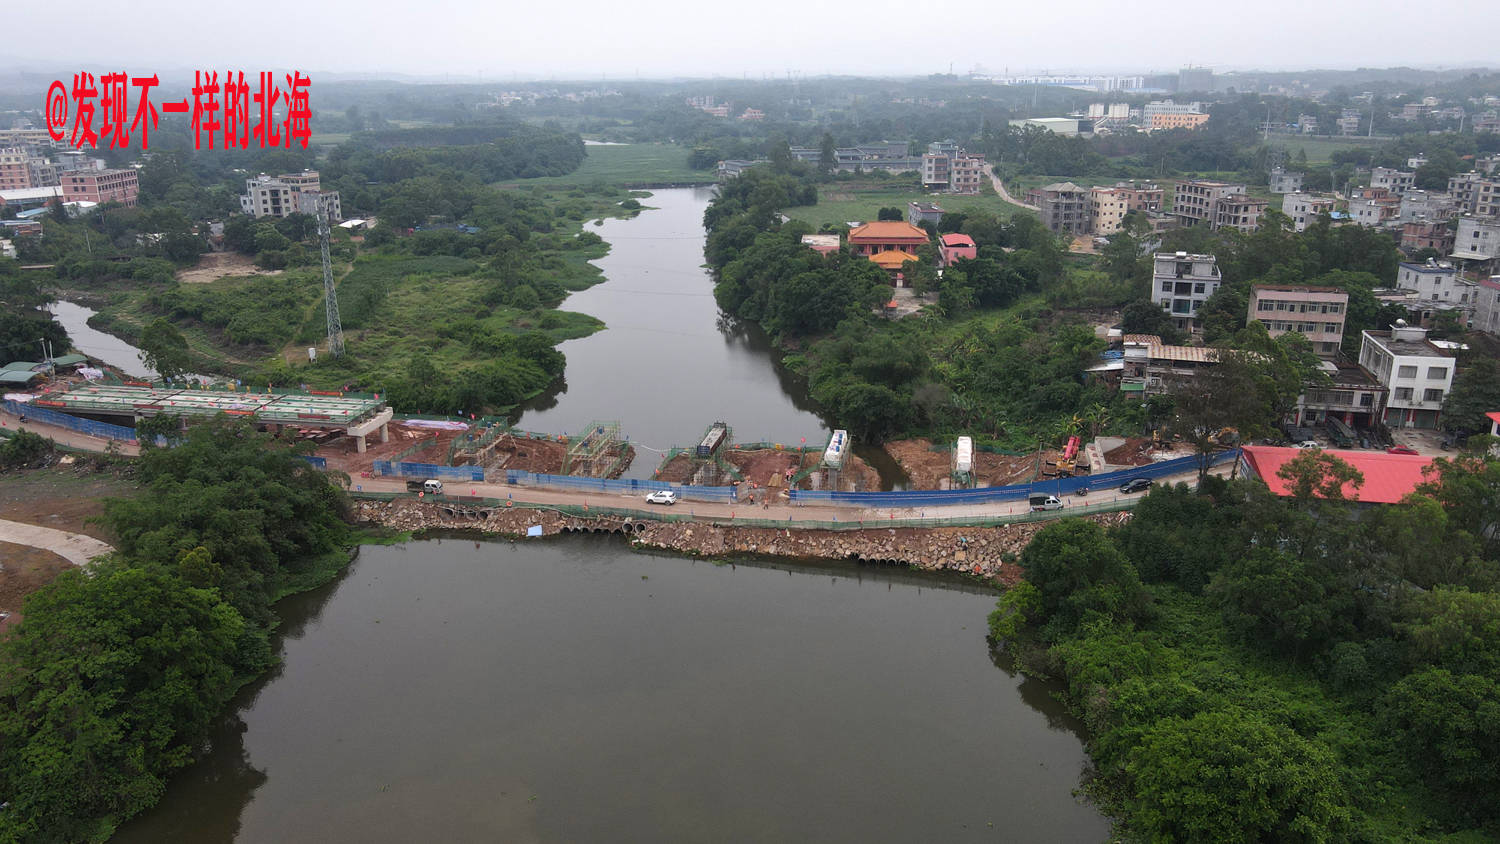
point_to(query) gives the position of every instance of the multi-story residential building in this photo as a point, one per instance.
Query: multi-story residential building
(1285, 181)
(101, 186)
(1487, 306)
(946, 166)
(1477, 239)
(1063, 206)
(1417, 236)
(1352, 396)
(1305, 208)
(7, 249)
(1432, 280)
(1374, 207)
(966, 173)
(1182, 282)
(1219, 204)
(1394, 181)
(1461, 188)
(295, 193)
(1417, 373)
(1239, 212)
(1486, 200)
(919, 212)
(1349, 124)
(1415, 161)
(1316, 313)
(1419, 205)
(1108, 206)
(1107, 210)
(20, 169)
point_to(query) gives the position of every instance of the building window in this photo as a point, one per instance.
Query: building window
(1432, 395)
(1437, 373)
(1403, 394)
(1331, 327)
(1366, 399)
(1406, 372)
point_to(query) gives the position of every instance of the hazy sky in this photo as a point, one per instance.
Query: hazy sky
(586, 39)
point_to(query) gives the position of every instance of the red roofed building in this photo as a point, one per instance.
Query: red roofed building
(953, 247)
(885, 236)
(1388, 477)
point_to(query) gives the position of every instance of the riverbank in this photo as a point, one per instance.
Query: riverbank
(988, 553)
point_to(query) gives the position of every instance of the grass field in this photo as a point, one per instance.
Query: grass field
(628, 164)
(1320, 149)
(846, 202)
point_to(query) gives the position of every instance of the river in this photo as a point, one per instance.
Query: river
(669, 363)
(575, 690)
(96, 344)
(452, 690)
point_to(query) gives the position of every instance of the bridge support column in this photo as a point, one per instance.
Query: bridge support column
(359, 444)
(385, 433)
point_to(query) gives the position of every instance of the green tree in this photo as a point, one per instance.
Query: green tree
(1229, 394)
(1476, 391)
(164, 349)
(1078, 572)
(891, 213)
(1286, 605)
(828, 159)
(1449, 725)
(1146, 317)
(1232, 776)
(107, 687)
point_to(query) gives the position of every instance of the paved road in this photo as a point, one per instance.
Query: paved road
(73, 547)
(1005, 194)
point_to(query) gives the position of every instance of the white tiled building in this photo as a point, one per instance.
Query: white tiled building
(1417, 373)
(1181, 284)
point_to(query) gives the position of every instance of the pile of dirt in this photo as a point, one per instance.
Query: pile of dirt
(341, 454)
(543, 457)
(1135, 451)
(928, 469)
(767, 466)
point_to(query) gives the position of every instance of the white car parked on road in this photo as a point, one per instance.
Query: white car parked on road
(662, 496)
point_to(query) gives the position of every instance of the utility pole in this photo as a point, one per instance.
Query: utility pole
(330, 296)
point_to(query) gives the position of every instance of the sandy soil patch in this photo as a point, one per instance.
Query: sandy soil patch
(213, 266)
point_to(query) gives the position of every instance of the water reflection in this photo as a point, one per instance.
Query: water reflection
(574, 690)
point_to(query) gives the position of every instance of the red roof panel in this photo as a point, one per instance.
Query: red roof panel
(1388, 477)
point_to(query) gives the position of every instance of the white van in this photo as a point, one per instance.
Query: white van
(1041, 502)
(432, 487)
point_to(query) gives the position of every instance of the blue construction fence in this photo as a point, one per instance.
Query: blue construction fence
(49, 416)
(319, 463)
(428, 470)
(1055, 486)
(621, 486)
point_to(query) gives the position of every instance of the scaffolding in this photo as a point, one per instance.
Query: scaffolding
(597, 452)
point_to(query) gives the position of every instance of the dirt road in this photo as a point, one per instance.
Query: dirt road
(73, 547)
(1005, 194)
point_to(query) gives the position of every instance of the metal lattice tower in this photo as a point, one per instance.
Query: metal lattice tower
(330, 297)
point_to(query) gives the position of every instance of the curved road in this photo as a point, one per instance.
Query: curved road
(73, 547)
(1005, 194)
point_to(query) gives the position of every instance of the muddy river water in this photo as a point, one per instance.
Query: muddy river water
(575, 691)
